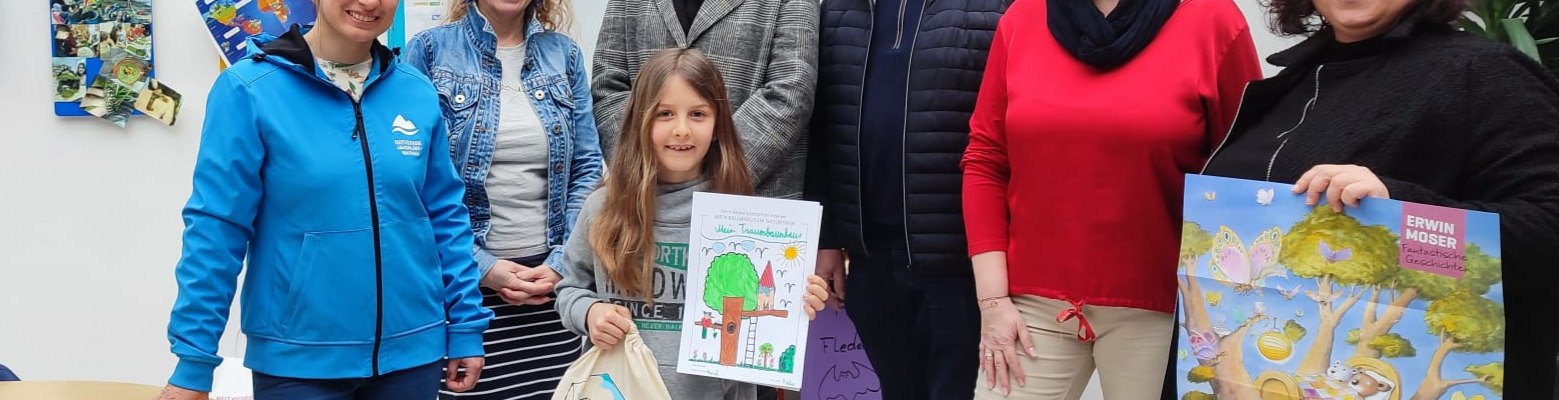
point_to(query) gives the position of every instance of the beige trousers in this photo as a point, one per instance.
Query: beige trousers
(1131, 350)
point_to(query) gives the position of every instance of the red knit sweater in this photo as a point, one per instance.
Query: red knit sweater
(1077, 174)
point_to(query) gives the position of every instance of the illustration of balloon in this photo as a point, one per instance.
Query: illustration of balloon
(1274, 346)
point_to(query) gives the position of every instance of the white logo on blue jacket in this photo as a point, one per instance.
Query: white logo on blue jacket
(409, 148)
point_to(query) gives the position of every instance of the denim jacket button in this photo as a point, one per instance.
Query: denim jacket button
(557, 167)
(460, 98)
(540, 94)
(557, 129)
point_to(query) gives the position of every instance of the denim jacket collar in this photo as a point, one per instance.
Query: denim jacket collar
(481, 34)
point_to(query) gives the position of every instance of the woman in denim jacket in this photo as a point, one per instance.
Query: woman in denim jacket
(522, 135)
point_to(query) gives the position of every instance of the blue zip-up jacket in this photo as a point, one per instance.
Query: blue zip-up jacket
(347, 214)
(460, 59)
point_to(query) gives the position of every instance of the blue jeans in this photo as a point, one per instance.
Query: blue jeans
(416, 383)
(922, 335)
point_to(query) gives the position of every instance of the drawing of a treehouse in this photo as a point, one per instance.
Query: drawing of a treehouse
(732, 289)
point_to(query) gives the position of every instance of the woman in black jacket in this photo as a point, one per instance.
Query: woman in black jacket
(1387, 99)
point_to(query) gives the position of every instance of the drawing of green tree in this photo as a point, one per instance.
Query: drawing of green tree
(765, 351)
(731, 275)
(787, 360)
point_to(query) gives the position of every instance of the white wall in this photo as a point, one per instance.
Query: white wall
(89, 213)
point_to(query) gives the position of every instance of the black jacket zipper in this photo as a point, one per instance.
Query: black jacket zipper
(373, 212)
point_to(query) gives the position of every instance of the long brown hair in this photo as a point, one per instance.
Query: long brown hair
(554, 15)
(622, 233)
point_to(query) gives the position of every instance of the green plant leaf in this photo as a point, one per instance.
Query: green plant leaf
(1520, 38)
(1474, 26)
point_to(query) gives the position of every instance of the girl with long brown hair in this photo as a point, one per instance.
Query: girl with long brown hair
(627, 258)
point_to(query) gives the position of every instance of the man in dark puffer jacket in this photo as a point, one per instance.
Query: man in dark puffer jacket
(897, 81)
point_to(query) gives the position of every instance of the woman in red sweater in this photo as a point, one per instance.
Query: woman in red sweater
(1083, 130)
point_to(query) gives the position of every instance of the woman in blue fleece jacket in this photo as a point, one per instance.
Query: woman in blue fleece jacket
(324, 168)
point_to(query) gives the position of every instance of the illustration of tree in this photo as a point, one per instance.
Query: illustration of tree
(1466, 323)
(1491, 375)
(787, 360)
(1194, 243)
(1199, 374)
(732, 290)
(1481, 271)
(1360, 256)
(1390, 345)
(1198, 396)
(765, 351)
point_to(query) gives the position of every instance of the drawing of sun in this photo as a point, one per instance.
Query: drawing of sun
(790, 254)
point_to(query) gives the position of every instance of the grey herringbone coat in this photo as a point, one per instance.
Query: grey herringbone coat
(765, 49)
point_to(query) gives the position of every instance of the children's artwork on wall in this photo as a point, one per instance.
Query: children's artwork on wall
(85, 34)
(1387, 301)
(748, 264)
(837, 368)
(232, 22)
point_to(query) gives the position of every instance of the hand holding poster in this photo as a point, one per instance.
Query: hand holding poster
(748, 263)
(1387, 301)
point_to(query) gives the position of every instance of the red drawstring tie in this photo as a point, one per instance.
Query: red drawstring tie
(1084, 330)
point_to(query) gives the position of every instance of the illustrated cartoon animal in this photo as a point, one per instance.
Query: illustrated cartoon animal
(1234, 266)
(1371, 385)
(1339, 372)
(1264, 196)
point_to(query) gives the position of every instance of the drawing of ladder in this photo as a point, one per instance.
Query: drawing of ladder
(752, 341)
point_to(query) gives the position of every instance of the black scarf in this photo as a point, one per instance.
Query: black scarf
(1107, 42)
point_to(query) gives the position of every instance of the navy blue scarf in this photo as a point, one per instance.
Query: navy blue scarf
(1106, 42)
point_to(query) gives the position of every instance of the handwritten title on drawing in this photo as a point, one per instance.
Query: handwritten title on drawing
(755, 224)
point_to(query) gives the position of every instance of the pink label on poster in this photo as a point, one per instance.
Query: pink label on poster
(1434, 239)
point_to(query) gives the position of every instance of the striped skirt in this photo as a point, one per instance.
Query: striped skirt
(527, 351)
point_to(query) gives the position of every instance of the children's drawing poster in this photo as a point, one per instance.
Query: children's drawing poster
(86, 35)
(747, 272)
(1387, 301)
(232, 22)
(837, 367)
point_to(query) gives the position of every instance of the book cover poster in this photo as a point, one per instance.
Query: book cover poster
(747, 268)
(1387, 301)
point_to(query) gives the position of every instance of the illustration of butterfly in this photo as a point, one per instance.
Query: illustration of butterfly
(1204, 344)
(1264, 196)
(1298, 313)
(1288, 294)
(1210, 196)
(1182, 354)
(1332, 256)
(1213, 298)
(1261, 309)
(1245, 270)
